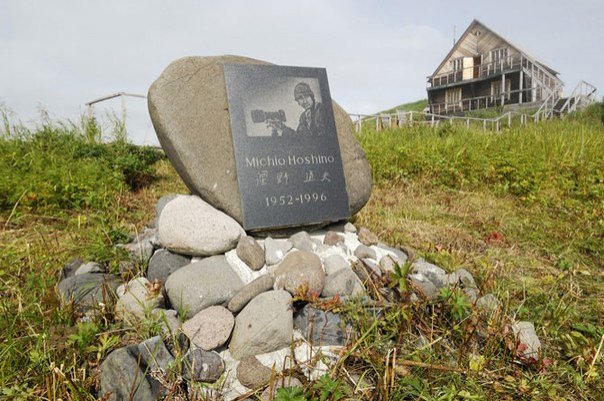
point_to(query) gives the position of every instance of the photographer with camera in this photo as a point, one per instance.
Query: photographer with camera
(312, 119)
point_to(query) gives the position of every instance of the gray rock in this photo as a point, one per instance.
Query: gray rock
(264, 325)
(300, 268)
(400, 256)
(247, 293)
(333, 238)
(422, 285)
(69, 269)
(460, 277)
(89, 290)
(364, 252)
(137, 300)
(350, 228)
(155, 355)
(90, 267)
(322, 327)
(333, 263)
(432, 272)
(211, 281)
(210, 328)
(253, 374)
(387, 264)
(302, 241)
(471, 294)
(250, 252)
(366, 237)
(187, 104)
(123, 378)
(528, 345)
(163, 263)
(344, 283)
(488, 303)
(168, 318)
(190, 226)
(275, 250)
(203, 366)
(162, 202)
(141, 248)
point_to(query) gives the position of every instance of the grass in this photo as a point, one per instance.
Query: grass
(523, 210)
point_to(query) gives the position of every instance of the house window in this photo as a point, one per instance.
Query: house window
(499, 54)
(453, 98)
(457, 64)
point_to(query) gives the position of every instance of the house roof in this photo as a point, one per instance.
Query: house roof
(475, 23)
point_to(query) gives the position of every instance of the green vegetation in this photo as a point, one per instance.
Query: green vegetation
(419, 105)
(522, 210)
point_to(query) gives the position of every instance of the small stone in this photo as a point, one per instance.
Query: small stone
(399, 256)
(141, 248)
(432, 272)
(488, 303)
(387, 264)
(300, 268)
(168, 318)
(90, 267)
(366, 237)
(89, 290)
(332, 238)
(471, 294)
(364, 252)
(163, 263)
(425, 287)
(136, 300)
(528, 345)
(275, 250)
(194, 287)
(210, 328)
(264, 325)
(250, 252)
(154, 354)
(302, 241)
(190, 226)
(333, 263)
(460, 277)
(203, 366)
(247, 293)
(322, 327)
(69, 269)
(344, 283)
(350, 228)
(253, 374)
(122, 376)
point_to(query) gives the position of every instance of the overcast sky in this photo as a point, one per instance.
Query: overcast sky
(57, 55)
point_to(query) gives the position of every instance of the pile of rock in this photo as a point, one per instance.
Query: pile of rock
(225, 301)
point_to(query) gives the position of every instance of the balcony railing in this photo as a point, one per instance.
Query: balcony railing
(485, 102)
(481, 71)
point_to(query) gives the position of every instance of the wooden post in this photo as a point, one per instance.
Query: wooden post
(502, 89)
(123, 110)
(467, 123)
(520, 94)
(484, 124)
(377, 123)
(432, 124)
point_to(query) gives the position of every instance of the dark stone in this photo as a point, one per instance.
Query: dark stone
(163, 263)
(122, 376)
(70, 268)
(250, 252)
(88, 290)
(203, 366)
(333, 238)
(322, 327)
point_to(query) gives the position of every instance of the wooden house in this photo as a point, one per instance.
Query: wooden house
(484, 70)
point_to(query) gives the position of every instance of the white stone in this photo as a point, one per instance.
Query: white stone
(190, 226)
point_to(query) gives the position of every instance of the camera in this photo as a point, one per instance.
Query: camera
(260, 116)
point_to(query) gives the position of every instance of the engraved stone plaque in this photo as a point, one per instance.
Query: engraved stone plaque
(289, 167)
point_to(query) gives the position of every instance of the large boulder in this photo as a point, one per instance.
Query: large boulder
(189, 109)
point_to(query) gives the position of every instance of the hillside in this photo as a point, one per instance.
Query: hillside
(522, 211)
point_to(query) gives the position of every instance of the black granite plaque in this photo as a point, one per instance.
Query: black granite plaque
(288, 159)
